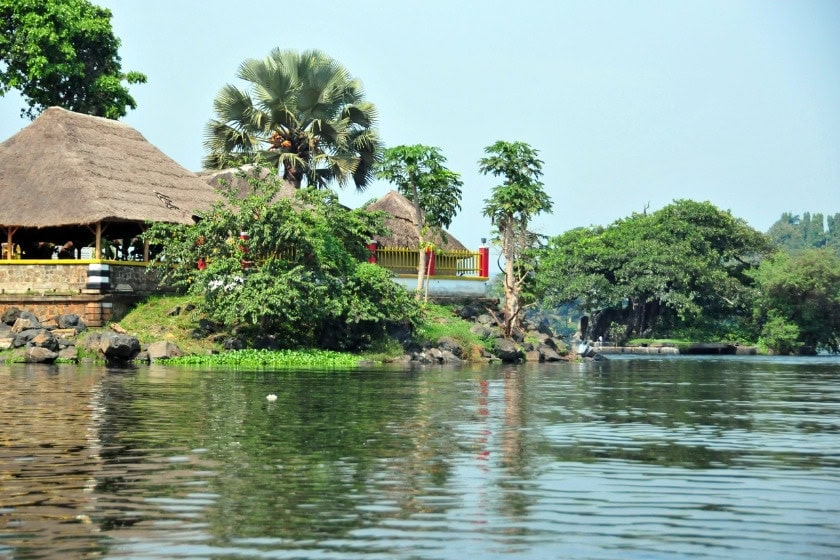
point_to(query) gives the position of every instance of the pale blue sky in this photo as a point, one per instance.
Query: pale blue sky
(629, 103)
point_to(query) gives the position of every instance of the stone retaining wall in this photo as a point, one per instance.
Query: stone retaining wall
(42, 278)
(95, 309)
(49, 289)
(20, 277)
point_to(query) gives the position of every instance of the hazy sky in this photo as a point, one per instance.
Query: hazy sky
(631, 104)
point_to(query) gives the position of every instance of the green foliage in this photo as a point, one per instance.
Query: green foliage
(811, 231)
(433, 190)
(511, 207)
(419, 173)
(681, 267)
(296, 277)
(439, 321)
(271, 358)
(64, 53)
(155, 319)
(780, 336)
(304, 114)
(798, 298)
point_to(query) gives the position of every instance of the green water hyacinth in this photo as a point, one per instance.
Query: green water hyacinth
(271, 358)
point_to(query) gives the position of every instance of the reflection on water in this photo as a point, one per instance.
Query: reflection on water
(634, 458)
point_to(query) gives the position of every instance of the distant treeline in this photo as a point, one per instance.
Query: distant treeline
(811, 231)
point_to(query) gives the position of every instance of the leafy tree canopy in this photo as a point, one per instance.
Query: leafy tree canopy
(511, 206)
(810, 231)
(297, 277)
(419, 173)
(64, 53)
(654, 273)
(303, 113)
(798, 301)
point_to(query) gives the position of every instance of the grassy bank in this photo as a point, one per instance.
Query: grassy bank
(176, 319)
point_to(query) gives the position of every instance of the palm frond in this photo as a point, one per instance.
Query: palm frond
(307, 98)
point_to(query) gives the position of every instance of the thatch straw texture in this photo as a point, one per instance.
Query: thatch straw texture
(68, 169)
(404, 231)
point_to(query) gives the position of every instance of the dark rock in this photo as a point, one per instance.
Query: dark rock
(29, 315)
(71, 321)
(189, 307)
(449, 344)
(450, 358)
(25, 323)
(45, 339)
(549, 354)
(470, 311)
(205, 328)
(233, 343)
(118, 348)
(39, 355)
(507, 351)
(10, 316)
(486, 319)
(544, 327)
(175, 311)
(483, 331)
(23, 338)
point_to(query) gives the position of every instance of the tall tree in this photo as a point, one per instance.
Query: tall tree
(810, 231)
(304, 114)
(798, 302)
(682, 267)
(64, 53)
(435, 191)
(511, 207)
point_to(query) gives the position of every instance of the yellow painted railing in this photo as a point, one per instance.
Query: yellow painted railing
(461, 264)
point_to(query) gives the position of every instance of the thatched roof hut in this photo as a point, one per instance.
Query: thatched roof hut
(68, 171)
(404, 230)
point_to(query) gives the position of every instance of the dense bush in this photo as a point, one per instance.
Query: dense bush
(287, 270)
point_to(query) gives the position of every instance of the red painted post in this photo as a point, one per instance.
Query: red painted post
(430, 262)
(244, 237)
(484, 262)
(372, 248)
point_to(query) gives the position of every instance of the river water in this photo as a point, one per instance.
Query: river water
(735, 457)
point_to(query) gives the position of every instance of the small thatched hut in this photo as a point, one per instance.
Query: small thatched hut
(74, 177)
(404, 230)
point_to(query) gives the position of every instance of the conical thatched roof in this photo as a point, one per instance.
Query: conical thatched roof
(67, 169)
(402, 226)
(234, 176)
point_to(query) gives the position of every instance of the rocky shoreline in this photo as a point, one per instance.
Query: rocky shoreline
(66, 338)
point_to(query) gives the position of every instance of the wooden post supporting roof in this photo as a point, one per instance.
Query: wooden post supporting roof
(10, 247)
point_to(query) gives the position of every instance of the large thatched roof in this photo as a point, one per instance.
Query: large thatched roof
(402, 226)
(67, 169)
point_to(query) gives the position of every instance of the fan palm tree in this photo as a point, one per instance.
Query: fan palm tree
(303, 113)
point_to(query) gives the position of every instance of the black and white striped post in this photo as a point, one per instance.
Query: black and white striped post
(98, 278)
